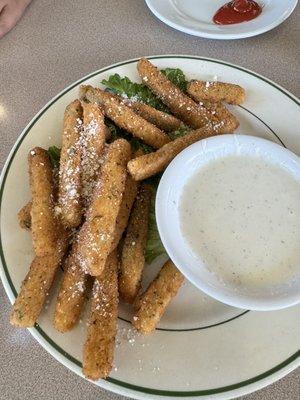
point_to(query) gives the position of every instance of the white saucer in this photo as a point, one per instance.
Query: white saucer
(195, 17)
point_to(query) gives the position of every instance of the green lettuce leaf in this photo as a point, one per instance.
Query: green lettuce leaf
(54, 154)
(176, 76)
(183, 130)
(137, 144)
(154, 246)
(138, 91)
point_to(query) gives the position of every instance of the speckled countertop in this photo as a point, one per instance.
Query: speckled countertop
(56, 43)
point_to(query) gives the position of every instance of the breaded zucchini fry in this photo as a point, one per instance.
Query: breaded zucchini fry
(179, 103)
(150, 164)
(43, 221)
(133, 257)
(224, 116)
(92, 143)
(153, 303)
(71, 296)
(72, 292)
(162, 120)
(69, 196)
(24, 216)
(97, 233)
(124, 117)
(36, 285)
(130, 193)
(102, 326)
(216, 92)
(73, 286)
(131, 189)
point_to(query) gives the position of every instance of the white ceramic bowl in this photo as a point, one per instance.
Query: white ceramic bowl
(171, 186)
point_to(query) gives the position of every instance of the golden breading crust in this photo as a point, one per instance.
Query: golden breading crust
(125, 118)
(150, 164)
(92, 144)
(24, 216)
(179, 103)
(69, 195)
(102, 325)
(153, 303)
(131, 189)
(36, 285)
(43, 221)
(162, 120)
(216, 92)
(133, 257)
(97, 233)
(72, 294)
(219, 111)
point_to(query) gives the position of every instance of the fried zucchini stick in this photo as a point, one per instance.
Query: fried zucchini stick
(150, 164)
(97, 233)
(133, 257)
(124, 117)
(219, 111)
(102, 325)
(24, 216)
(92, 144)
(153, 303)
(179, 103)
(37, 284)
(130, 193)
(131, 189)
(162, 120)
(69, 196)
(72, 293)
(216, 92)
(43, 219)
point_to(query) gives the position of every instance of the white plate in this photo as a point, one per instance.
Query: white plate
(195, 17)
(202, 349)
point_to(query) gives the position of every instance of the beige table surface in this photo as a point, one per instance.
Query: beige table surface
(56, 43)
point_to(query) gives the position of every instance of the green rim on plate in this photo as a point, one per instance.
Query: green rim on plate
(40, 331)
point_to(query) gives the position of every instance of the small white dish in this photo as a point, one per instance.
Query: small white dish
(195, 17)
(168, 199)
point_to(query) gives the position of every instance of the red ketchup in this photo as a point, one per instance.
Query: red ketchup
(237, 11)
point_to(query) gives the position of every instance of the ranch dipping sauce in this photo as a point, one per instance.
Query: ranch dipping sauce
(241, 216)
